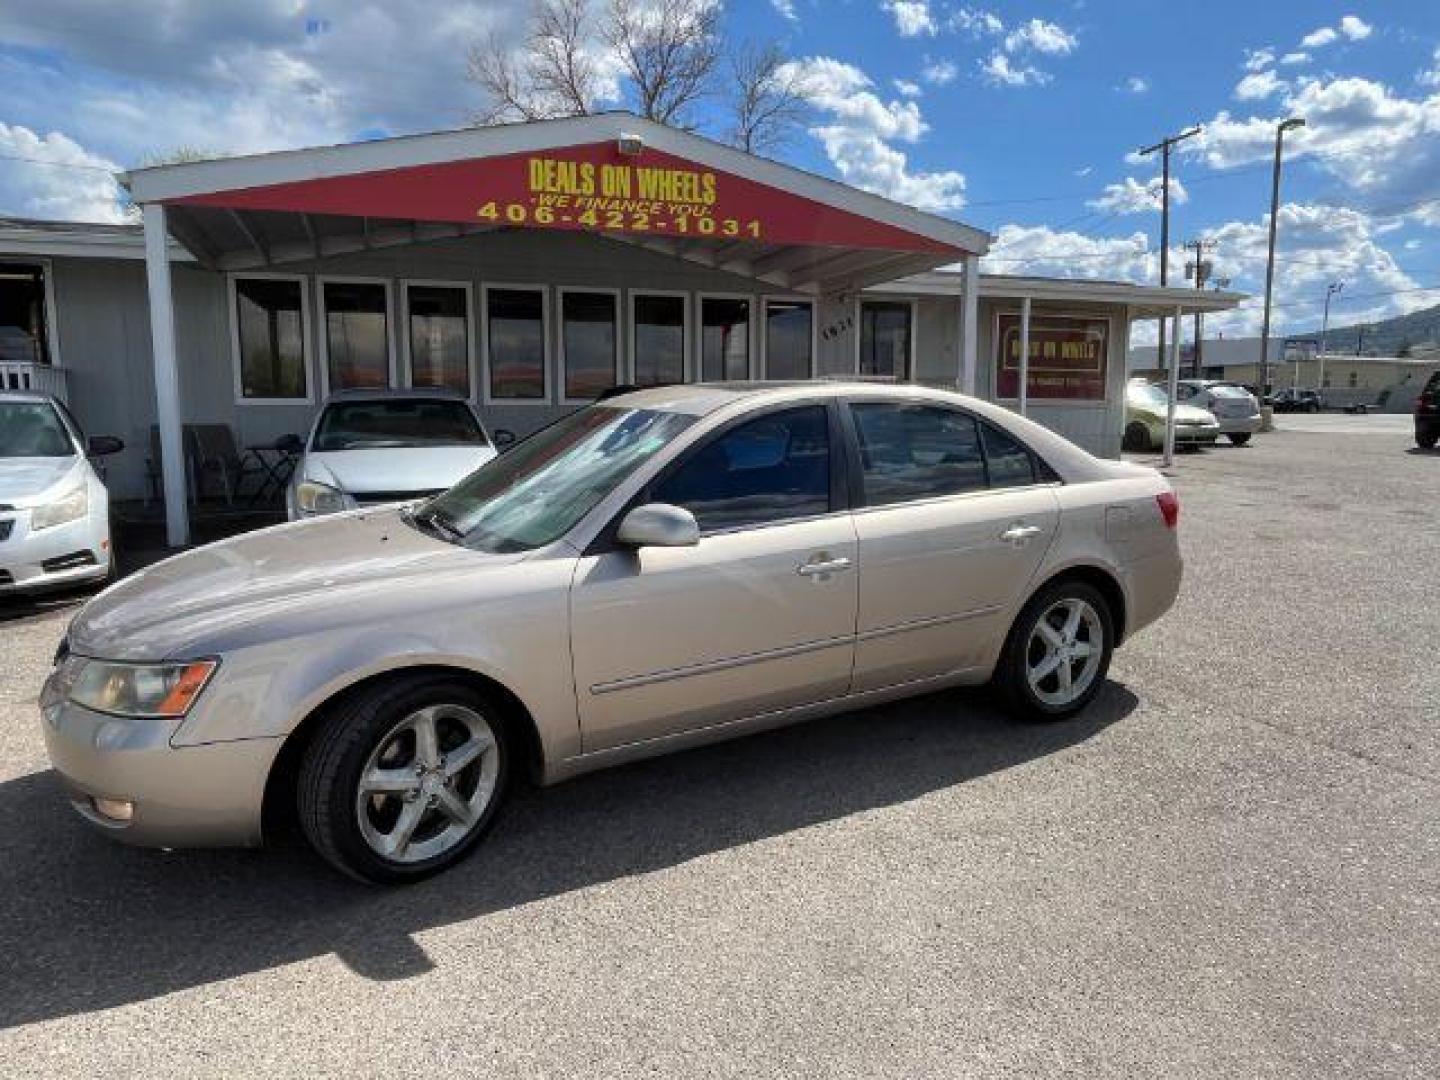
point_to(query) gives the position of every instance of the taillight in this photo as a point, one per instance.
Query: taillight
(1169, 504)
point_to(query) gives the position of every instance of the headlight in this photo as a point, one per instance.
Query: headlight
(136, 690)
(314, 497)
(70, 506)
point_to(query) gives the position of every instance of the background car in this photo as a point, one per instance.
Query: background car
(369, 447)
(1234, 407)
(659, 570)
(1293, 400)
(54, 509)
(1146, 406)
(1427, 414)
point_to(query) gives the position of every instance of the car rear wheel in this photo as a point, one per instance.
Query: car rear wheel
(402, 781)
(1057, 654)
(1137, 438)
(1427, 440)
(1240, 438)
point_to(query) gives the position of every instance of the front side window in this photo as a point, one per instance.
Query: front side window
(788, 339)
(401, 422)
(515, 337)
(588, 336)
(538, 491)
(773, 468)
(23, 333)
(31, 429)
(910, 452)
(357, 335)
(885, 338)
(659, 339)
(439, 336)
(270, 320)
(724, 338)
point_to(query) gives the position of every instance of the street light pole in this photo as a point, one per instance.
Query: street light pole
(1281, 128)
(1333, 289)
(1164, 146)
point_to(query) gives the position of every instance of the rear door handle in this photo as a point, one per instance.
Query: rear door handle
(1019, 534)
(822, 567)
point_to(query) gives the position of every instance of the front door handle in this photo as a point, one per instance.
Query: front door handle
(1019, 534)
(822, 567)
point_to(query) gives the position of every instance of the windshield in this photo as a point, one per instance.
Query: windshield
(404, 422)
(31, 429)
(1221, 390)
(540, 489)
(1148, 394)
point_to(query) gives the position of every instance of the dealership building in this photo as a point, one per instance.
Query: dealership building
(529, 267)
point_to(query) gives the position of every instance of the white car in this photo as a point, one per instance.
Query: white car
(1234, 408)
(54, 509)
(370, 447)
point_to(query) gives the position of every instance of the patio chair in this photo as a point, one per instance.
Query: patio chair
(212, 453)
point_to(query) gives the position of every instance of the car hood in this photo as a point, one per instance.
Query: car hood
(395, 468)
(26, 477)
(270, 584)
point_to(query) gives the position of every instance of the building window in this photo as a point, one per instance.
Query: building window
(657, 338)
(515, 342)
(24, 335)
(724, 338)
(588, 341)
(270, 323)
(439, 336)
(1354, 380)
(789, 339)
(885, 338)
(357, 334)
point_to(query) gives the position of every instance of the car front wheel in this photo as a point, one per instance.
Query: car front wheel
(402, 781)
(1057, 654)
(1427, 440)
(1137, 438)
(1240, 438)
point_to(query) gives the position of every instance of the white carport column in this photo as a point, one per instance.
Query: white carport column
(167, 375)
(969, 315)
(1024, 393)
(1172, 390)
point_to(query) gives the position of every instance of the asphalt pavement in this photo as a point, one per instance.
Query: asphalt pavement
(1229, 867)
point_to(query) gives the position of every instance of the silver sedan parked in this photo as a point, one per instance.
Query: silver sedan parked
(666, 568)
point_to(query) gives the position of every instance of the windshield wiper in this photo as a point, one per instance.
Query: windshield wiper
(438, 523)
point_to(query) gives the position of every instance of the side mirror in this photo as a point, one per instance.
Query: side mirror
(659, 525)
(290, 445)
(102, 445)
(503, 437)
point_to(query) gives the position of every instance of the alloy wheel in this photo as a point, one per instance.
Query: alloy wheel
(1063, 654)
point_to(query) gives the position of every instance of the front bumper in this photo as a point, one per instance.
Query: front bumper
(1189, 436)
(210, 795)
(23, 553)
(1238, 425)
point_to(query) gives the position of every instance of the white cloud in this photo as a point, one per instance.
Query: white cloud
(1133, 197)
(1295, 58)
(1041, 36)
(906, 88)
(1040, 250)
(1355, 28)
(1259, 59)
(857, 139)
(976, 22)
(1258, 85)
(912, 17)
(57, 179)
(1431, 76)
(1135, 84)
(786, 9)
(939, 72)
(1318, 39)
(997, 70)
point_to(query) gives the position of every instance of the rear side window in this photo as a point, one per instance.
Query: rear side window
(910, 452)
(1011, 465)
(770, 469)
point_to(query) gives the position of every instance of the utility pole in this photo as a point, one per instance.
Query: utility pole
(1333, 289)
(1280, 129)
(1164, 146)
(1200, 270)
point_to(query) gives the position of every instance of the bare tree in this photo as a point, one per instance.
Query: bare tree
(669, 49)
(766, 99)
(557, 74)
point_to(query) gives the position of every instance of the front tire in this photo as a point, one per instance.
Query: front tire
(1240, 438)
(1427, 440)
(1057, 653)
(1137, 438)
(402, 781)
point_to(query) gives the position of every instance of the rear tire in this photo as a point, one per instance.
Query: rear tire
(1428, 440)
(1067, 625)
(1240, 438)
(1137, 438)
(403, 780)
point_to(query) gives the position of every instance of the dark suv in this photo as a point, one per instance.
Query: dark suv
(1427, 414)
(1289, 400)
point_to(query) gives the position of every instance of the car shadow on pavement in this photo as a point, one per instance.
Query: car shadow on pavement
(87, 924)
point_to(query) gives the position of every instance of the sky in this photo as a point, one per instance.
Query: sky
(1022, 118)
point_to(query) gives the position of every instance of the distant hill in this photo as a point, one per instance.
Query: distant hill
(1385, 338)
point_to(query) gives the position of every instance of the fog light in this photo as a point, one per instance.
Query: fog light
(114, 809)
